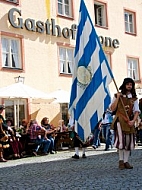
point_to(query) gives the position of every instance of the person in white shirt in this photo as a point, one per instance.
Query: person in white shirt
(105, 125)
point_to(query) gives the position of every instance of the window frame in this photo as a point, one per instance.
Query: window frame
(64, 112)
(129, 22)
(20, 39)
(104, 12)
(130, 60)
(12, 103)
(66, 47)
(71, 14)
(11, 2)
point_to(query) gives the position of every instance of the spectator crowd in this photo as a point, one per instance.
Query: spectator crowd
(33, 138)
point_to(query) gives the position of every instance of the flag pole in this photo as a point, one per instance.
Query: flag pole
(121, 99)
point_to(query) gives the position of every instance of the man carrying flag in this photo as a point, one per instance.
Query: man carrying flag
(126, 105)
(91, 77)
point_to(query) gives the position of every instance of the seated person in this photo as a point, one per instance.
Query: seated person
(14, 142)
(23, 129)
(61, 126)
(3, 136)
(50, 131)
(38, 139)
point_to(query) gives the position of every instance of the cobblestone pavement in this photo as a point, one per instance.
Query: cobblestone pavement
(60, 172)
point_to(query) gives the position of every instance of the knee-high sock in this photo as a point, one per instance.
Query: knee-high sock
(121, 154)
(77, 151)
(126, 155)
(83, 150)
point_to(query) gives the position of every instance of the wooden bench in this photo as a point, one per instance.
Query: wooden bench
(63, 138)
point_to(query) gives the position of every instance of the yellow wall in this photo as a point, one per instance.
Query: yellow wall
(41, 50)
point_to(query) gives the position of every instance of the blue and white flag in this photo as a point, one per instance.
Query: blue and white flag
(91, 76)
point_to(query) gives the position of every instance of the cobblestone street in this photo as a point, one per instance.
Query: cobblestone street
(59, 171)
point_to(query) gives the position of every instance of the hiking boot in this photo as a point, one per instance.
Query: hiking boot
(84, 156)
(44, 153)
(3, 160)
(128, 166)
(75, 156)
(94, 146)
(121, 165)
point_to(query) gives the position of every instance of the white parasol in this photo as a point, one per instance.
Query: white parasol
(60, 96)
(18, 91)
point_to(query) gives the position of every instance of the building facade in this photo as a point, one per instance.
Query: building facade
(37, 43)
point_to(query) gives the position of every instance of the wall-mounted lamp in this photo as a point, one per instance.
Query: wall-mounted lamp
(139, 89)
(19, 79)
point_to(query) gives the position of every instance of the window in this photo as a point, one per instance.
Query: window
(11, 110)
(64, 111)
(133, 68)
(65, 7)
(66, 60)
(130, 22)
(11, 57)
(13, 1)
(100, 14)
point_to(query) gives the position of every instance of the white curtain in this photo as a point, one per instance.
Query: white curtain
(129, 69)
(67, 4)
(14, 52)
(62, 53)
(133, 69)
(60, 8)
(70, 59)
(5, 51)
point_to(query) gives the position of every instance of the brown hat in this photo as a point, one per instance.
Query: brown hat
(2, 107)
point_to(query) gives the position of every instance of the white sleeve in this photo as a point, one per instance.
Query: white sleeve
(114, 98)
(136, 106)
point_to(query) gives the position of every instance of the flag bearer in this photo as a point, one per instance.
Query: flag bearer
(125, 104)
(77, 144)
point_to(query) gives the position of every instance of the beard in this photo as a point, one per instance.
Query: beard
(128, 90)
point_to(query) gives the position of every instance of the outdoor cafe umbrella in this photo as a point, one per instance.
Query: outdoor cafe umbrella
(18, 91)
(60, 96)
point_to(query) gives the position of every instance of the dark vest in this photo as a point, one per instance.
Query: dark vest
(4, 126)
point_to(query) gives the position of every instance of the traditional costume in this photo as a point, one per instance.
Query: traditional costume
(127, 106)
(3, 135)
